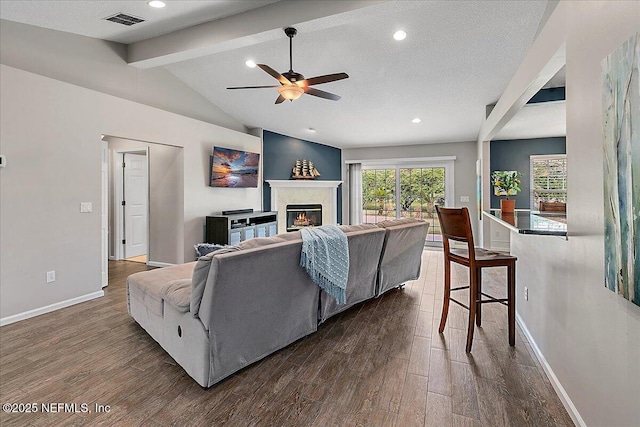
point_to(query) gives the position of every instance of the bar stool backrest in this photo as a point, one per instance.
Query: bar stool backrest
(455, 224)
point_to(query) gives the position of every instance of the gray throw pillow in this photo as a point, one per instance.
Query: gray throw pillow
(204, 248)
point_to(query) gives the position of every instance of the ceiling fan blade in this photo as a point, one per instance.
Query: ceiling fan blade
(321, 94)
(324, 79)
(251, 87)
(280, 99)
(282, 79)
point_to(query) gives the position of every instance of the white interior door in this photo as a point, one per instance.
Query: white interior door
(135, 204)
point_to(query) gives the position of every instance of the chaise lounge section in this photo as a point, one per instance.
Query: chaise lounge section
(239, 304)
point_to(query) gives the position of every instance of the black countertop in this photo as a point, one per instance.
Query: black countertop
(527, 222)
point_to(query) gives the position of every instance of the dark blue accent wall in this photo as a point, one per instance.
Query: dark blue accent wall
(514, 155)
(279, 157)
(547, 95)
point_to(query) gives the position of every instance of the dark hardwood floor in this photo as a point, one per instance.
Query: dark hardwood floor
(381, 363)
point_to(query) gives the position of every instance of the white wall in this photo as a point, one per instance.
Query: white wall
(50, 132)
(588, 335)
(464, 168)
(101, 65)
(166, 198)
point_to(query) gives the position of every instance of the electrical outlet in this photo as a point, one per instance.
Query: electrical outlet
(464, 199)
(51, 276)
(526, 293)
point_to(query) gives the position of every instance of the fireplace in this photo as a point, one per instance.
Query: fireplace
(304, 192)
(301, 216)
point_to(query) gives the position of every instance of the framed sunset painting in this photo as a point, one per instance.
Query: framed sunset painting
(234, 168)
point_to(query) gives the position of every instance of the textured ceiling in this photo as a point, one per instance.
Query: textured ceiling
(458, 57)
(86, 17)
(541, 120)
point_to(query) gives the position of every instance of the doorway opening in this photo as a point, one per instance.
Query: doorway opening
(151, 221)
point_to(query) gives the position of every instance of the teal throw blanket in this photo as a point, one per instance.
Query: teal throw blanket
(325, 256)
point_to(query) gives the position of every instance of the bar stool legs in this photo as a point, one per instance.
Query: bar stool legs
(479, 297)
(446, 297)
(511, 302)
(476, 301)
(473, 296)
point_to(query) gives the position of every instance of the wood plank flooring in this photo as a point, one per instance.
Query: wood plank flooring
(381, 363)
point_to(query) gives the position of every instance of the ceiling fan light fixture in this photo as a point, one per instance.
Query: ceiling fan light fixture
(290, 92)
(293, 85)
(250, 63)
(416, 120)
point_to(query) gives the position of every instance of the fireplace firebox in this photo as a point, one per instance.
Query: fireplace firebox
(301, 216)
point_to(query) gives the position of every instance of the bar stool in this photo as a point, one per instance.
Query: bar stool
(456, 225)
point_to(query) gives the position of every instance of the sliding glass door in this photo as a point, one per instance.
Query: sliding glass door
(401, 191)
(422, 189)
(378, 195)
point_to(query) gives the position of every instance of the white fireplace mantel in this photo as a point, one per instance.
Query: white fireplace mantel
(299, 191)
(302, 183)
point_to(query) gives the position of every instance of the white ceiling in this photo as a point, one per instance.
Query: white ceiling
(87, 17)
(541, 120)
(458, 57)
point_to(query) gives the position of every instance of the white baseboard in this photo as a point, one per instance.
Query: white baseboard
(158, 264)
(564, 397)
(112, 258)
(49, 308)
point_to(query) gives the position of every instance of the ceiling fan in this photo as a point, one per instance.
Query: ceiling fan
(292, 84)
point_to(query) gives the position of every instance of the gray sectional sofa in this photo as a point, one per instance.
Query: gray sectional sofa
(239, 304)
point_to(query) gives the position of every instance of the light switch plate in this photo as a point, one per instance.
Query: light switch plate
(86, 207)
(464, 199)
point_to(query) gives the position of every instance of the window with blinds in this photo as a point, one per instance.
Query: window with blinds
(548, 179)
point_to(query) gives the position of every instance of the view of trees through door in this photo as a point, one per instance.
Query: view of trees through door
(404, 193)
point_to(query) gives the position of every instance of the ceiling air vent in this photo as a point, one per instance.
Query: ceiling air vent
(124, 19)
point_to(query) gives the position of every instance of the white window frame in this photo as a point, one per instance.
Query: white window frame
(420, 162)
(532, 159)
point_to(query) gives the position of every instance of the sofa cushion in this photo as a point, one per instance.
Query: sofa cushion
(395, 222)
(199, 280)
(178, 294)
(259, 242)
(292, 235)
(201, 270)
(149, 286)
(360, 227)
(402, 252)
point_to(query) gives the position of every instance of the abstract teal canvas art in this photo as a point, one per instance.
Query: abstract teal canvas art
(621, 125)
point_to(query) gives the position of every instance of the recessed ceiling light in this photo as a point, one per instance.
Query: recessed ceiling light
(250, 63)
(156, 3)
(312, 130)
(416, 120)
(399, 35)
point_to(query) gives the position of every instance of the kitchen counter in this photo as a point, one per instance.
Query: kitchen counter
(527, 222)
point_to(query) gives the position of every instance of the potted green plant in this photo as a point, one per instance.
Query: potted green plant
(506, 183)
